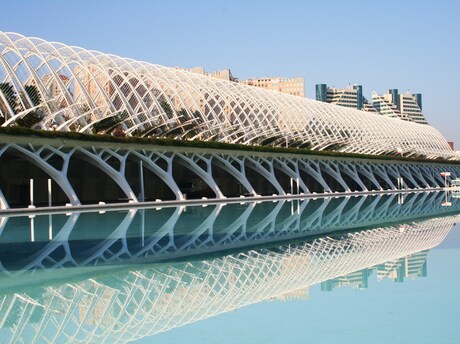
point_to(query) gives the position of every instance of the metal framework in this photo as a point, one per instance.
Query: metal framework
(307, 174)
(52, 86)
(130, 304)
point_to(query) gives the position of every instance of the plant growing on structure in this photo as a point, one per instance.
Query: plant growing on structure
(119, 132)
(167, 109)
(195, 126)
(186, 127)
(106, 125)
(8, 94)
(210, 145)
(33, 94)
(30, 97)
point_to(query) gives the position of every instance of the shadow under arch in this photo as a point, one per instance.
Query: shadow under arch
(155, 183)
(93, 183)
(229, 178)
(18, 166)
(193, 176)
(254, 170)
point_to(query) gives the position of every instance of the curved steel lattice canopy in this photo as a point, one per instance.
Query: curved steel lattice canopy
(53, 86)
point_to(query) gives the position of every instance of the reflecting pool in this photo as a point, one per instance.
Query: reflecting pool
(370, 269)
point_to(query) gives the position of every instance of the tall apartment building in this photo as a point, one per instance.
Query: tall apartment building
(385, 106)
(405, 106)
(350, 96)
(292, 86)
(89, 86)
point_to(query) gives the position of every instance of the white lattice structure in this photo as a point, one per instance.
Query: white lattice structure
(130, 304)
(308, 174)
(51, 85)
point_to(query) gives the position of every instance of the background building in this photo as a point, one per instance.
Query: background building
(350, 96)
(224, 74)
(292, 86)
(406, 106)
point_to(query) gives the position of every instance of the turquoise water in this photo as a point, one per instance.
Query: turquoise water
(424, 310)
(373, 269)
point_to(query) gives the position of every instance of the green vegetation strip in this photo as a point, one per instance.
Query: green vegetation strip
(19, 131)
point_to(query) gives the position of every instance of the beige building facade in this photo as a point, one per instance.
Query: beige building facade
(406, 106)
(293, 86)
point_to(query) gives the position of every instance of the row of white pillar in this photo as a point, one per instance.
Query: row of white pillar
(31, 193)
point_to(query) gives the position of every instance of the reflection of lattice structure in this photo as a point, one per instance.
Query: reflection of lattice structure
(160, 233)
(149, 99)
(128, 305)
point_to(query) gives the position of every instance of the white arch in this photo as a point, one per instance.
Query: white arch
(224, 111)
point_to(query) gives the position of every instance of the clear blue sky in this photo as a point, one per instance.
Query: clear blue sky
(409, 45)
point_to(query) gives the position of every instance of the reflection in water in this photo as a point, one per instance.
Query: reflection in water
(412, 266)
(97, 300)
(87, 239)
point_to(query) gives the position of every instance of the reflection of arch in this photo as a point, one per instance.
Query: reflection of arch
(310, 218)
(194, 239)
(287, 219)
(3, 222)
(253, 224)
(60, 240)
(98, 252)
(200, 288)
(231, 229)
(352, 214)
(257, 230)
(152, 245)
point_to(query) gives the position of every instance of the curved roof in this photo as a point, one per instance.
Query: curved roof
(54, 86)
